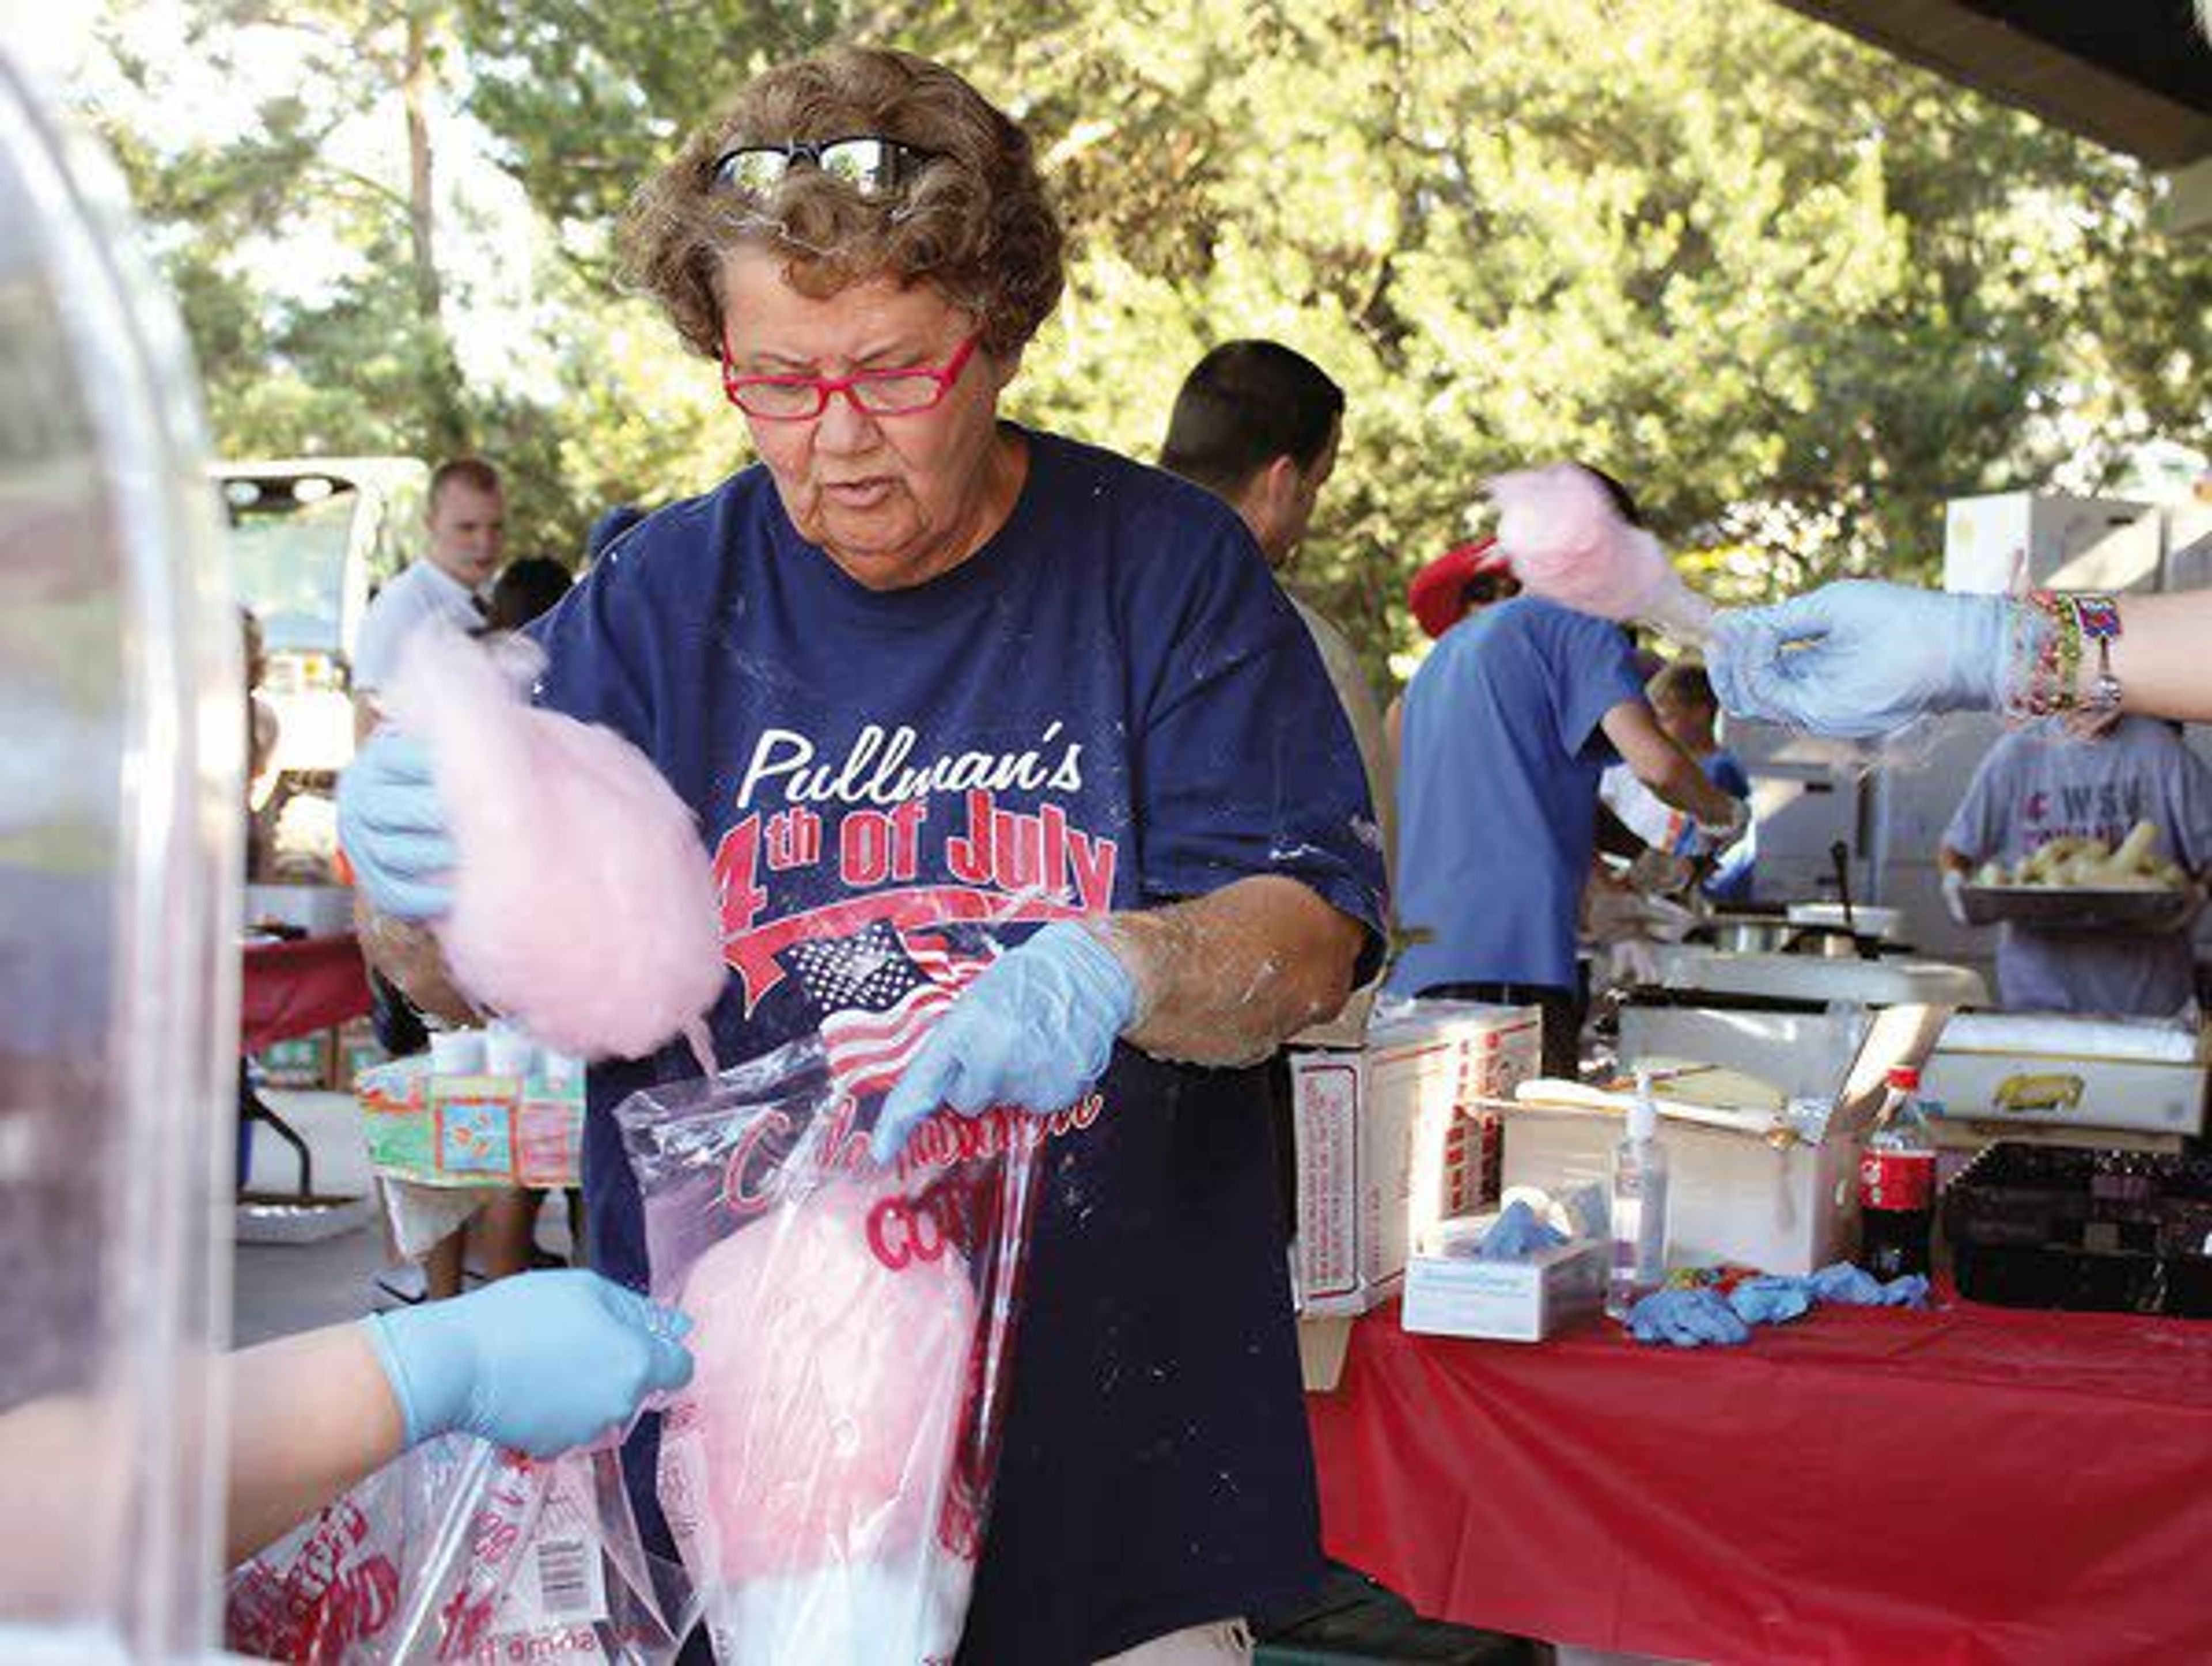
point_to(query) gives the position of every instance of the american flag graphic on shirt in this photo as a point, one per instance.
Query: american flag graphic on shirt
(879, 992)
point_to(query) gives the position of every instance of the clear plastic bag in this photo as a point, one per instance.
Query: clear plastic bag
(827, 1475)
(458, 1551)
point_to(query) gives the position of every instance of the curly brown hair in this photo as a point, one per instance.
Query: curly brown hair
(975, 222)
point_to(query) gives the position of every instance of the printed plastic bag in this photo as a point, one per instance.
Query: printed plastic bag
(827, 1473)
(460, 1551)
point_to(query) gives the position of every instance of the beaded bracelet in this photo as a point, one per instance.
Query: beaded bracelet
(2051, 629)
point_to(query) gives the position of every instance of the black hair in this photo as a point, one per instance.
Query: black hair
(1243, 405)
(523, 590)
(1686, 681)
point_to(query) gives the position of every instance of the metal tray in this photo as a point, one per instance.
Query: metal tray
(2074, 908)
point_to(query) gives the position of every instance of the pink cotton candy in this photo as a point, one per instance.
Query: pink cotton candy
(829, 1386)
(1568, 542)
(584, 905)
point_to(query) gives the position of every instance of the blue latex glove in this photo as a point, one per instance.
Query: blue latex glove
(1034, 1030)
(393, 829)
(1860, 658)
(1770, 1299)
(542, 1362)
(1516, 1234)
(1688, 1318)
(1853, 1287)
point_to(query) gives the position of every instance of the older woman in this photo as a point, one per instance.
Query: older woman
(1015, 714)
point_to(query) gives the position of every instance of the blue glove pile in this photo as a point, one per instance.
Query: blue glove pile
(1517, 1234)
(1693, 1317)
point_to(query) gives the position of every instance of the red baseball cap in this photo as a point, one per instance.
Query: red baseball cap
(1436, 592)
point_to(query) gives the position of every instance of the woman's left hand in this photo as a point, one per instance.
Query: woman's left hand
(1034, 1030)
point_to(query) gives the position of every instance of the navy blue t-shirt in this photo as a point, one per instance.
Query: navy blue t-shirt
(1109, 706)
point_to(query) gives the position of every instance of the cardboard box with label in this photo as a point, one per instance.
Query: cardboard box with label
(1513, 1301)
(1389, 1138)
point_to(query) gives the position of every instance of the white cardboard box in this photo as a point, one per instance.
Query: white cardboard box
(1389, 1138)
(1731, 1196)
(1513, 1301)
(2068, 1072)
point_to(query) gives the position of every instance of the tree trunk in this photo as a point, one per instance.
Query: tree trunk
(444, 424)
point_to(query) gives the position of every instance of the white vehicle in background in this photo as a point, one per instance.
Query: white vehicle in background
(311, 540)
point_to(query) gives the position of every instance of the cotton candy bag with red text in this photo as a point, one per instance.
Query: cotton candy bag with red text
(458, 1551)
(827, 1474)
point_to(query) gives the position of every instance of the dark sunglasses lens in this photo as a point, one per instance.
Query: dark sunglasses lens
(863, 164)
(752, 171)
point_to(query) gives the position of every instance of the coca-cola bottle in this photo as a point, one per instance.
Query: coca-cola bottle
(1897, 1184)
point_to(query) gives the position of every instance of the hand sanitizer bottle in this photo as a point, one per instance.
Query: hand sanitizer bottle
(1638, 1206)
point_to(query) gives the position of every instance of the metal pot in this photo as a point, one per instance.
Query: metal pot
(1749, 934)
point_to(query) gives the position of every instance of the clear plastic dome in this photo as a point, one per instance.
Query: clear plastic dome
(121, 737)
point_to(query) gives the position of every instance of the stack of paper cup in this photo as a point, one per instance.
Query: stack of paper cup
(508, 1050)
(457, 1052)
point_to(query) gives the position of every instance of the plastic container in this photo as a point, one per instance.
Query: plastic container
(125, 707)
(457, 1052)
(1638, 1206)
(2068, 1227)
(508, 1051)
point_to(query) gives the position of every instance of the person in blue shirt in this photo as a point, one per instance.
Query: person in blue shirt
(1682, 699)
(1507, 725)
(1009, 712)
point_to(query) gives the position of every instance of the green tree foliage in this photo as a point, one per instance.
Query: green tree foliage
(1794, 293)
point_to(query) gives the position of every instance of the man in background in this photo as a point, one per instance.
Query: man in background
(467, 524)
(1258, 425)
(1508, 725)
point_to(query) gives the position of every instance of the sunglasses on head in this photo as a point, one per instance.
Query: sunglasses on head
(871, 165)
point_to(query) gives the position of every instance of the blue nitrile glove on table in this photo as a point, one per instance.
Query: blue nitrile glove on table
(1770, 1299)
(541, 1362)
(1034, 1030)
(1517, 1234)
(392, 828)
(1859, 659)
(1687, 1319)
(1853, 1287)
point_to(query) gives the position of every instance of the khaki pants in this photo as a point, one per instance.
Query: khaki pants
(1223, 1643)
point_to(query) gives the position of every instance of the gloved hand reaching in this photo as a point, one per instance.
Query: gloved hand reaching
(1687, 1319)
(1034, 1030)
(1859, 659)
(392, 828)
(542, 1362)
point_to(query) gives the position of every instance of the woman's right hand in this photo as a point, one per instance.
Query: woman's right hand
(392, 828)
(1859, 659)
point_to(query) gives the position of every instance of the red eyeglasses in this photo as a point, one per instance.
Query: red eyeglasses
(878, 392)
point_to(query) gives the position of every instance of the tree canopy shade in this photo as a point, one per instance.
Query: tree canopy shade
(1793, 292)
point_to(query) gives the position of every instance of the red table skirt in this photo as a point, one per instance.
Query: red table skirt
(297, 988)
(1970, 1485)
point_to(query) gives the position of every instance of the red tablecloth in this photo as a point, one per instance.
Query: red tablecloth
(297, 988)
(1975, 1484)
